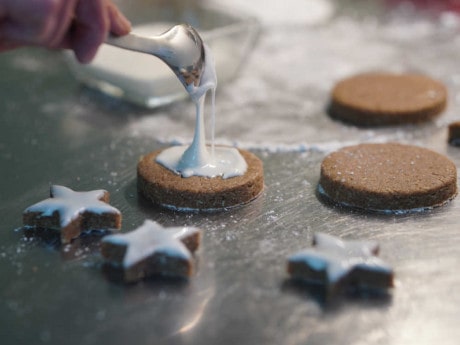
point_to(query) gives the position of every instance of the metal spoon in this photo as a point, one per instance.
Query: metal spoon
(181, 48)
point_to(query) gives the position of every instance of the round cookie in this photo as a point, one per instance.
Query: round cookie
(387, 177)
(166, 188)
(380, 99)
(454, 133)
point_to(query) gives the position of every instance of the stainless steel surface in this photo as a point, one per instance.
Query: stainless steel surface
(181, 48)
(54, 131)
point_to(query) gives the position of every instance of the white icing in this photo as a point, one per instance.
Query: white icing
(196, 160)
(182, 232)
(71, 204)
(226, 162)
(151, 238)
(339, 257)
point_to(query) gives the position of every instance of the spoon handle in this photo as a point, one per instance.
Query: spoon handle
(152, 45)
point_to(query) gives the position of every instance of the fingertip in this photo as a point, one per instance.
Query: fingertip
(92, 24)
(81, 58)
(119, 24)
(123, 24)
(85, 55)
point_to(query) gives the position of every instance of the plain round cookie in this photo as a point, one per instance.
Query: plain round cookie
(166, 188)
(381, 99)
(387, 177)
(454, 133)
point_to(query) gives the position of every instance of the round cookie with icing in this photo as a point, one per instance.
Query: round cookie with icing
(380, 99)
(196, 177)
(170, 189)
(388, 177)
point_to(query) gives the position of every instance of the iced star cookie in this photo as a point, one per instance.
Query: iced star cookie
(341, 265)
(150, 250)
(380, 99)
(170, 189)
(387, 178)
(72, 213)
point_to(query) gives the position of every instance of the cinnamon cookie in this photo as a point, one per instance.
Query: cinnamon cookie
(341, 265)
(454, 133)
(150, 250)
(169, 189)
(387, 177)
(72, 213)
(379, 99)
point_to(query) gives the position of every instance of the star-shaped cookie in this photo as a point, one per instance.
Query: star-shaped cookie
(341, 265)
(73, 212)
(149, 250)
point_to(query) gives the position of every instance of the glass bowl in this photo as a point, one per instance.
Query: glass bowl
(145, 80)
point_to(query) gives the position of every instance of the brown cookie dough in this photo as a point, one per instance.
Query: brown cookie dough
(166, 188)
(454, 134)
(379, 99)
(387, 177)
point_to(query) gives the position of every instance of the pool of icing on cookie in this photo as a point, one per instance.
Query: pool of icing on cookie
(197, 159)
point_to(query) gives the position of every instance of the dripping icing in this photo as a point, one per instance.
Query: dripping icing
(197, 159)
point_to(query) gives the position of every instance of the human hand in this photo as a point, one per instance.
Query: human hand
(79, 25)
(436, 6)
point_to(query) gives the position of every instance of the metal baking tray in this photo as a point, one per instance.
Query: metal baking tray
(54, 130)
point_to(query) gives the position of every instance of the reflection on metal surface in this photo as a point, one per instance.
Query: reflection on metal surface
(193, 321)
(87, 245)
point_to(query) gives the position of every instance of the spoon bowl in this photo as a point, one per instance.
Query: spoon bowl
(180, 47)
